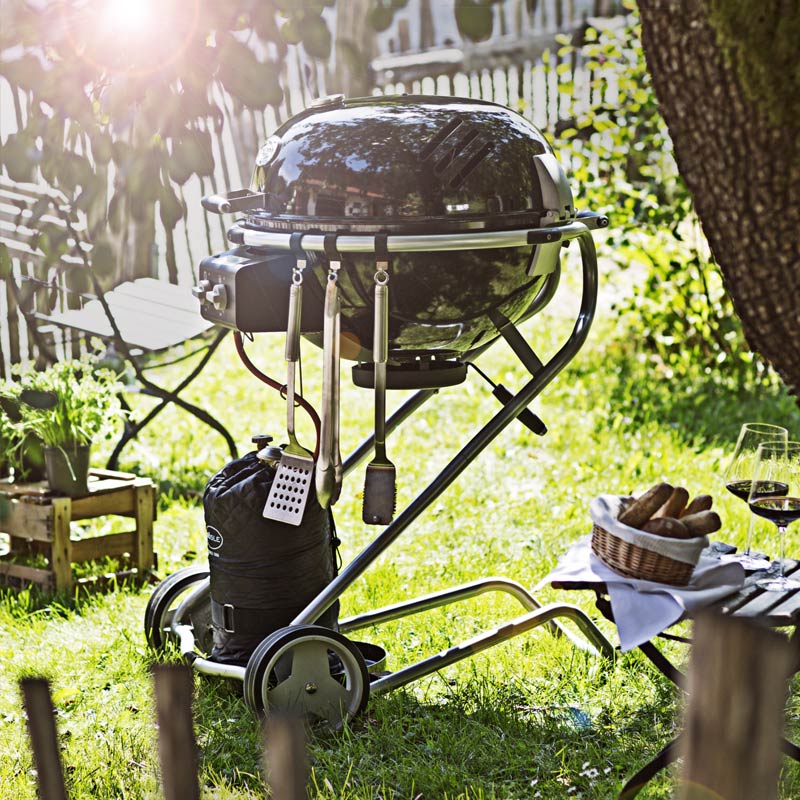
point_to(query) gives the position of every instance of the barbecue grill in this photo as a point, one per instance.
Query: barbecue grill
(405, 234)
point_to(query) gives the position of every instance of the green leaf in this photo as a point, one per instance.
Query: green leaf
(5, 261)
(252, 82)
(474, 19)
(170, 208)
(103, 258)
(20, 156)
(316, 37)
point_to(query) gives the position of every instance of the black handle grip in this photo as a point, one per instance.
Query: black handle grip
(526, 416)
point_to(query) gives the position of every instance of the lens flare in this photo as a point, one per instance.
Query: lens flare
(133, 37)
(129, 17)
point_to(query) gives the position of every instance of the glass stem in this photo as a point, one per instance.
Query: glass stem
(749, 539)
(782, 548)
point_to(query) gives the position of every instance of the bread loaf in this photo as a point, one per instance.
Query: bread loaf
(638, 512)
(702, 502)
(675, 504)
(702, 523)
(669, 527)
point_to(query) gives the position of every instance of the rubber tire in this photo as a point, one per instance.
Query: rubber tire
(269, 657)
(162, 601)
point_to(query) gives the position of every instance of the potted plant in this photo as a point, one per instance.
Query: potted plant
(68, 406)
(21, 454)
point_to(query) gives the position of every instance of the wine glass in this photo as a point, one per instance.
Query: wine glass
(775, 495)
(739, 476)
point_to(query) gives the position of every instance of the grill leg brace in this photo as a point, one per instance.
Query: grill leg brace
(476, 445)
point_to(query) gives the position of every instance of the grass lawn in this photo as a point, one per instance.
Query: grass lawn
(534, 717)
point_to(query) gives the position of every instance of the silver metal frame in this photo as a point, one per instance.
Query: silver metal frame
(542, 373)
(415, 243)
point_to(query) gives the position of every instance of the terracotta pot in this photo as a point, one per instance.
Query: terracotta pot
(67, 468)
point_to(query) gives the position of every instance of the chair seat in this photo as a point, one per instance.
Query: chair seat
(151, 315)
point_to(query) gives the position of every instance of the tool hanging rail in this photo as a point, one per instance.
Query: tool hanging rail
(480, 240)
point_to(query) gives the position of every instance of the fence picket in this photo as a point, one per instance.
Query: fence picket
(285, 757)
(44, 740)
(176, 744)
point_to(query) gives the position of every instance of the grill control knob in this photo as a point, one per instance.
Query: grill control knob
(218, 296)
(200, 290)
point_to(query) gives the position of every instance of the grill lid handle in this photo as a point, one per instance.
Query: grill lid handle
(234, 202)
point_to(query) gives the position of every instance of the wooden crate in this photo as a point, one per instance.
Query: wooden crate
(38, 522)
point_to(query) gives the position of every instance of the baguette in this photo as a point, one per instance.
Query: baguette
(668, 527)
(675, 504)
(702, 523)
(638, 512)
(702, 502)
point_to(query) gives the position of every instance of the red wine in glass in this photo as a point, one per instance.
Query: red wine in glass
(739, 474)
(778, 464)
(780, 510)
(741, 489)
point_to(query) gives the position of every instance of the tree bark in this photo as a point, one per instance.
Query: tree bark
(740, 161)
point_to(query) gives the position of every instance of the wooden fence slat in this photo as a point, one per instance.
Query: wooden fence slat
(176, 744)
(44, 740)
(285, 757)
(738, 678)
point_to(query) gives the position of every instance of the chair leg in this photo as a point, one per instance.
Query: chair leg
(636, 783)
(168, 396)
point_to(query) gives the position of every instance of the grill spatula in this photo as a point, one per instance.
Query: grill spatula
(380, 481)
(292, 483)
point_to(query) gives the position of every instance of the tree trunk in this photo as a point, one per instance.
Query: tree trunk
(738, 154)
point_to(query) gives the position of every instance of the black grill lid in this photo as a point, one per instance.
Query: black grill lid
(408, 164)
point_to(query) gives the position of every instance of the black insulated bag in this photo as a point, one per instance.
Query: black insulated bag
(263, 573)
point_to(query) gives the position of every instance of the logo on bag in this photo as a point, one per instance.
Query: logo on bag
(214, 538)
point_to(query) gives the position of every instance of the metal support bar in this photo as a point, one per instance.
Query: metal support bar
(438, 599)
(366, 447)
(522, 350)
(483, 641)
(464, 592)
(479, 442)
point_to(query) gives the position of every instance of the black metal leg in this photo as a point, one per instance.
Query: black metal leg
(168, 396)
(790, 749)
(663, 664)
(635, 784)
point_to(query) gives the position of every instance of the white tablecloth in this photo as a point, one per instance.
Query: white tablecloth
(643, 609)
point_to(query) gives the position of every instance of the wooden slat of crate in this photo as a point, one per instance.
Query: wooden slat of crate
(29, 520)
(41, 523)
(19, 575)
(111, 544)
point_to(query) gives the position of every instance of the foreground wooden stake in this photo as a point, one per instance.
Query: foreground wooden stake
(44, 741)
(285, 759)
(176, 745)
(738, 678)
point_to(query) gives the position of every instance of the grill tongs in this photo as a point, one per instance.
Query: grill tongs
(328, 475)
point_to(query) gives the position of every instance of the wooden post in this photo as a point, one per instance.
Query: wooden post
(285, 757)
(738, 680)
(176, 745)
(44, 741)
(144, 514)
(61, 550)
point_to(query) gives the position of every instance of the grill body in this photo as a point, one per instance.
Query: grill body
(412, 169)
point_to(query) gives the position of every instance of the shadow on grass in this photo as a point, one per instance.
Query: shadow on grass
(479, 740)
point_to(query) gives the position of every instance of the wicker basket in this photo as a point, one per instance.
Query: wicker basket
(638, 554)
(637, 562)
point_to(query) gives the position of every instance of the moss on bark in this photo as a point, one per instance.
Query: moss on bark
(760, 38)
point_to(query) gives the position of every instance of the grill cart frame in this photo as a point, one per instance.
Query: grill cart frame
(306, 682)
